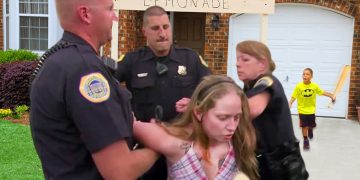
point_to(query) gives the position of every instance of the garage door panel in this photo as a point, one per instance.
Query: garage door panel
(300, 37)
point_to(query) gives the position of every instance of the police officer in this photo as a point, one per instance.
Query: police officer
(76, 131)
(277, 147)
(160, 75)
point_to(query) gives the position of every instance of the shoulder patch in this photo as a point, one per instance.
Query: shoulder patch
(121, 58)
(94, 87)
(203, 62)
(264, 81)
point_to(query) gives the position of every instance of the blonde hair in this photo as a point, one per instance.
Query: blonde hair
(258, 50)
(210, 89)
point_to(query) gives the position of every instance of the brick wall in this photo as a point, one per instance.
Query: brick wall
(130, 34)
(216, 43)
(128, 31)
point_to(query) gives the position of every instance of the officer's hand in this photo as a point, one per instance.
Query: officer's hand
(333, 98)
(182, 104)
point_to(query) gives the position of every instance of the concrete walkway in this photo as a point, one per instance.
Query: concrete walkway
(335, 150)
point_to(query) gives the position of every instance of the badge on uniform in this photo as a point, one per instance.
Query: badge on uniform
(182, 70)
(94, 87)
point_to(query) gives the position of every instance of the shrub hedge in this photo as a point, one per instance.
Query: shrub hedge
(16, 67)
(17, 55)
(15, 82)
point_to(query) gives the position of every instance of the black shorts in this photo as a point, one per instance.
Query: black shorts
(307, 120)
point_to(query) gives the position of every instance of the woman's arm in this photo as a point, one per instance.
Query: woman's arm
(155, 137)
(258, 103)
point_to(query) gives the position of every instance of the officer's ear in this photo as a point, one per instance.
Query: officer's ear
(198, 114)
(263, 64)
(83, 13)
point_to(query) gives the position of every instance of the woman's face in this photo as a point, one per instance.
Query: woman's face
(248, 67)
(221, 121)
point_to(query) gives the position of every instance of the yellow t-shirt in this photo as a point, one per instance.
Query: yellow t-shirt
(306, 97)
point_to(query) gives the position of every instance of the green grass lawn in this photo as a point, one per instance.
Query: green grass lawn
(18, 159)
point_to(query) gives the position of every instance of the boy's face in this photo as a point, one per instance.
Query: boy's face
(306, 77)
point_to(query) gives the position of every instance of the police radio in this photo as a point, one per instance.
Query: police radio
(161, 68)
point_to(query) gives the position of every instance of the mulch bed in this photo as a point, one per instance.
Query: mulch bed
(23, 120)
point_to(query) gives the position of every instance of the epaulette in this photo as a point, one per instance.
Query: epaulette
(203, 62)
(60, 45)
(261, 85)
(112, 64)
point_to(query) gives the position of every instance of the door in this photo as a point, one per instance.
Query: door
(301, 37)
(189, 30)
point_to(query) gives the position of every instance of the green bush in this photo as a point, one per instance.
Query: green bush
(17, 55)
(19, 111)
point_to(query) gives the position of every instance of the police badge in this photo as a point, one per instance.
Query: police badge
(182, 70)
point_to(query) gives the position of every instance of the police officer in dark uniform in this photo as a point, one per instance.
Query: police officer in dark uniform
(157, 83)
(277, 147)
(159, 75)
(76, 131)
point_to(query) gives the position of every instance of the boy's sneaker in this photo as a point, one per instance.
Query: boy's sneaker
(310, 133)
(306, 144)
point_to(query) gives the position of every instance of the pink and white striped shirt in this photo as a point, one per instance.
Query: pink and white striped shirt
(189, 167)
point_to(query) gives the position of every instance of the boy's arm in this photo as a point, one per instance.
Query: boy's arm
(291, 102)
(330, 95)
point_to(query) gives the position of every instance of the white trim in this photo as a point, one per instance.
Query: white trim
(4, 23)
(264, 28)
(54, 29)
(114, 51)
(225, 6)
(13, 24)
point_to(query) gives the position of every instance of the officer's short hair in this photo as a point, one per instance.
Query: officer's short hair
(153, 11)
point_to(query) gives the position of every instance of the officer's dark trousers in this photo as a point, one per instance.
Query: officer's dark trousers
(158, 171)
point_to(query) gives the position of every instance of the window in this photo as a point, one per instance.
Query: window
(33, 24)
(30, 24)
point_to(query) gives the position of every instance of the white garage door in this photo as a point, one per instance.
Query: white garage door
(300, 37)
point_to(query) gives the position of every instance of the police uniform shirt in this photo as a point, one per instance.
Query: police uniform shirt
(273, 126)
(77, 108)
(139, 70)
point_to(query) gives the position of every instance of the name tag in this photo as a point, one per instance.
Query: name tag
(142, 74)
